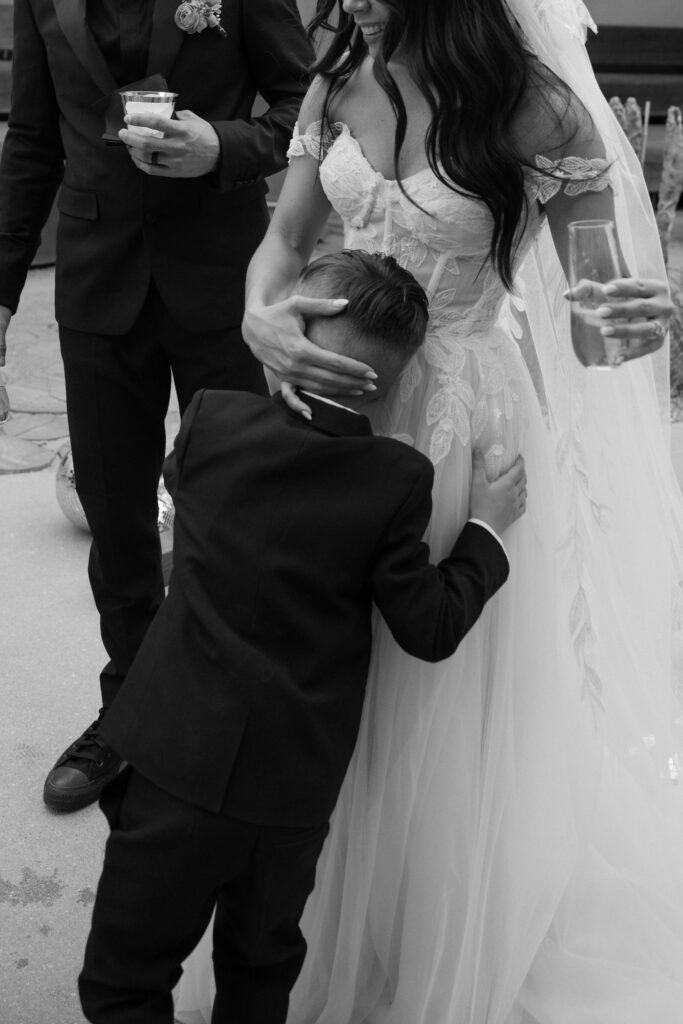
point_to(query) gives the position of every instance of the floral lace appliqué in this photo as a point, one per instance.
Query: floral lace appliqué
(571, 174)
(315, 141)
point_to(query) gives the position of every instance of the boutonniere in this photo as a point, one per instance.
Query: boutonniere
(196, 15)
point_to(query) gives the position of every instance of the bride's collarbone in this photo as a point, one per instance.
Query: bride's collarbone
(367, 113)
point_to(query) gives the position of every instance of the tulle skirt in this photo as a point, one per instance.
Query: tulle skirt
(508, 844)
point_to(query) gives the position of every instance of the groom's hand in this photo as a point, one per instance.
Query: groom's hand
(189, 148)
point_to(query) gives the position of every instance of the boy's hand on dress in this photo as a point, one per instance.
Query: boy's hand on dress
(497, 502)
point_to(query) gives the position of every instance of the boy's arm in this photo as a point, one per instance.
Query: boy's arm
(429, 608)
(173, 463)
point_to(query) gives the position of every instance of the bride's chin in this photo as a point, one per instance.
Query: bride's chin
(373, 43)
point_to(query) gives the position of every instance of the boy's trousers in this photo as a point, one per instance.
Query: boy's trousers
(167, 865)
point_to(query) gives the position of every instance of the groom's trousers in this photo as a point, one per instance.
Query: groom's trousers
(166, 865)
(118, 390)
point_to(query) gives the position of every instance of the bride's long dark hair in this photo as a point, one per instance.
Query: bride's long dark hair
(471, 66)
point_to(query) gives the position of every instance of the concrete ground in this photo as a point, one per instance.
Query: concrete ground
(50, 656)
(49, 659)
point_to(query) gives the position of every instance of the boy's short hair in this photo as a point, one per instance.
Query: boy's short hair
(386, 304)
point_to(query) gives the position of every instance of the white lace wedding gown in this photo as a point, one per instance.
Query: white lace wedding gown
(508, 844)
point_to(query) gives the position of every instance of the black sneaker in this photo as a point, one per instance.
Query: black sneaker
(82, 772)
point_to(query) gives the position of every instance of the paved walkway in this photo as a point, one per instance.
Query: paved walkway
(37, 427)
(50, 657)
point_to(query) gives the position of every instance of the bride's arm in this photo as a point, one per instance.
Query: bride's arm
(577, 187)
(275, 319)
(636, 311)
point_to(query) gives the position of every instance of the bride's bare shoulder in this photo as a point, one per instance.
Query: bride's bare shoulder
(340, 102)
(313, 103)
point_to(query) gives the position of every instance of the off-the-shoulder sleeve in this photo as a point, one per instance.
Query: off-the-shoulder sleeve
(315, 141)
(570, 174)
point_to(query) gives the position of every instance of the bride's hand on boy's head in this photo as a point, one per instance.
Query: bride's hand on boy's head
(637, 311)
(275, 334)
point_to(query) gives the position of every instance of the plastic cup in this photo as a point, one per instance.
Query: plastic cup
(159, 103)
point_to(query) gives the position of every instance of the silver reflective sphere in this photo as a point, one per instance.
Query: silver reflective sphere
(65, 486)
(70, 504)
(166, 512)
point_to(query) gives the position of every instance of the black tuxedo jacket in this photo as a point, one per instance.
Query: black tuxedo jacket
(247, 692)
(119, 227)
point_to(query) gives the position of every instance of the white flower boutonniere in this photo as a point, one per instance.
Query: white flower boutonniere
(196, 15)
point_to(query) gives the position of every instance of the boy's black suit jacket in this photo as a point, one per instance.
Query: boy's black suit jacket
(247, 692)
(118, 226)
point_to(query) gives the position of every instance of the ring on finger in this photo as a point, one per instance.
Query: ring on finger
(657, 330)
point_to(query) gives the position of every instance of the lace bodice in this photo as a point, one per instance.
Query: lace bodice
(443, 241)
(443, 238)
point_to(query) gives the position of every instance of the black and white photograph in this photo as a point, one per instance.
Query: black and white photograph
(341, 512)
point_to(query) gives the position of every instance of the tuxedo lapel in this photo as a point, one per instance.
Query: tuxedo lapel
(71, 15)
(166, 38)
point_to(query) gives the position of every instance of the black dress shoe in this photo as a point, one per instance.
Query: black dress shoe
(82, 772)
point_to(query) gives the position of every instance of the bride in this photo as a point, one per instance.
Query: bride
(508, 844)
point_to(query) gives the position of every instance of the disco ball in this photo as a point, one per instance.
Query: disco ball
(65, 485)
(166, 512)
(70, 503)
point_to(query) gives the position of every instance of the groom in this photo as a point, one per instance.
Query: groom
(152, 250)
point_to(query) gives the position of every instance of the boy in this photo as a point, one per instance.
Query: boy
(241, 711)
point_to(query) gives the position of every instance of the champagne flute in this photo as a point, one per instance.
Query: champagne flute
(593, 260)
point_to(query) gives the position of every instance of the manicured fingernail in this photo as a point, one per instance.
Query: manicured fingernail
(369, 387)
(339, 303)
(567, 294)
(306, 413)
(607, 332)
(357, 392)
(610, 289)
(371, 375)
(603, 311)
